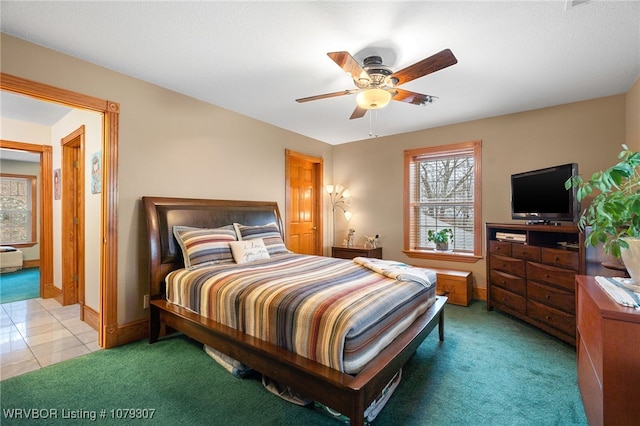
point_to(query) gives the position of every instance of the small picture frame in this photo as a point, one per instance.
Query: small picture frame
(96, 173)
(57, 181)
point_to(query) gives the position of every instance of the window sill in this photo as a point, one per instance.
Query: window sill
(20, 245)
(438, 255)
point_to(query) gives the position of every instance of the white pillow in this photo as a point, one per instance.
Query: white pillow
(248, 251)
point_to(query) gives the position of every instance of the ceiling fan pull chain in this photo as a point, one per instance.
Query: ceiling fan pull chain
(372, 121)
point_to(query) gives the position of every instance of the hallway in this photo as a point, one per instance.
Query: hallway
(35, 333)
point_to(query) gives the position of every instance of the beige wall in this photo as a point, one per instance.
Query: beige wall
(170, 145)
(589, 133)
(633, 117)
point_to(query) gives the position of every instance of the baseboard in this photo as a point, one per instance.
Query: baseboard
(480, 293)
(33, 263)
(52, 291)
(126, 333)
(91, 317)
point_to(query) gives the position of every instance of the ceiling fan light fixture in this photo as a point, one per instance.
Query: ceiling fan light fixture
(373, 98)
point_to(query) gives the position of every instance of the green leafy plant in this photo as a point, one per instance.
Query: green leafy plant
(614, 212)
(441, 236)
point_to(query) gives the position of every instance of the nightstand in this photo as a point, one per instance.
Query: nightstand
(344, 252)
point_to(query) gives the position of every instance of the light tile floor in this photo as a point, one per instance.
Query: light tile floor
(38, 332)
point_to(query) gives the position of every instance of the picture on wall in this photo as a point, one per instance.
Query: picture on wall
(96, 172)
(56, 184)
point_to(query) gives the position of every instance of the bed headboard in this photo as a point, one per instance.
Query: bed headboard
(164, 213)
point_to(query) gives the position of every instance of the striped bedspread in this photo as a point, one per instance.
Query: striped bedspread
(334, 311)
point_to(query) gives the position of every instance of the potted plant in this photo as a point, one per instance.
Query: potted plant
(614, 213)
(441, 238)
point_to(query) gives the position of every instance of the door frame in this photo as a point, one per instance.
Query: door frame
(108, 315)
(73, 223)
(318, 164)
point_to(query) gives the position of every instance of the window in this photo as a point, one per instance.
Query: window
(442, 190)
(17, 209)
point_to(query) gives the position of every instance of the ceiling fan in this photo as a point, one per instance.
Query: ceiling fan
(377, 84)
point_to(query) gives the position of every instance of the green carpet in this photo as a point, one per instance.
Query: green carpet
(490, 370)
(19, 285)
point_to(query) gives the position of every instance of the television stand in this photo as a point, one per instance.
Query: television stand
(534, 280)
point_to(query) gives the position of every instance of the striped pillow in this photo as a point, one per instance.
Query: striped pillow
(270, 234)
(201, 246)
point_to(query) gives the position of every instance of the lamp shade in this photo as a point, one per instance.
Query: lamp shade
(373, 98)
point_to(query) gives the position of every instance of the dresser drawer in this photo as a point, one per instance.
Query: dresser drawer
(550, 274)
(523, 251)
(561, 258)
(501, 297)
(508, 282)
(500, 247)
(590, 386)
(508, 264)
(552, 296)
(552, 317)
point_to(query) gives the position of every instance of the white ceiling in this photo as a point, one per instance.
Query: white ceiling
(256, 58)
(25, 108)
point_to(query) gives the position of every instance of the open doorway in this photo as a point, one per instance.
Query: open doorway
(45, 233)
(20, 175)
(106, 316)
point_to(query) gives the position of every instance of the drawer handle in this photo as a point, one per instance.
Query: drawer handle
(548, 297)
(556, 258)
(547, 317)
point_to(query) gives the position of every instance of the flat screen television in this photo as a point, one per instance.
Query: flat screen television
(540, 195)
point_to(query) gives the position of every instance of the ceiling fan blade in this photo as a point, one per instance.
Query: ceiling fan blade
(326, 95)
(358, 113)
(412, 97)
(349, 64)
(426, 66)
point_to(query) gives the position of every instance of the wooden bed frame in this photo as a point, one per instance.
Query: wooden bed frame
(350, 395)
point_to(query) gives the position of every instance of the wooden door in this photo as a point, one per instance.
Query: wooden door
(303, 218)
(73, 219)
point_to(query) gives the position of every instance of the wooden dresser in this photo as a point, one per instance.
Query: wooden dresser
(534, 279)
(608, 343)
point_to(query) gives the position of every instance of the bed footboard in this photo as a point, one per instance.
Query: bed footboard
(350, 395)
